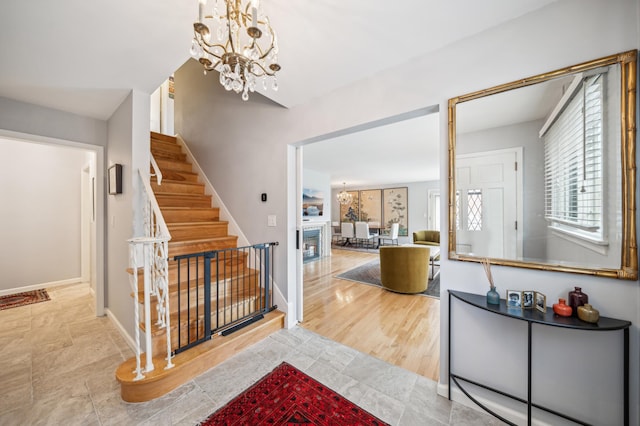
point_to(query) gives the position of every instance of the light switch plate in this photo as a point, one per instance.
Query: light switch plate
(271, 220)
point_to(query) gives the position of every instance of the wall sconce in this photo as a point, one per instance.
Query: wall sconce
(115, 179)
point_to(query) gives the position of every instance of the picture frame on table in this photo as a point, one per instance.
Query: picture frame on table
(540, 302)
(528, 299)
(514, 299)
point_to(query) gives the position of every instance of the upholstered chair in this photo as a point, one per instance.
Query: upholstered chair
(404, 269)
(363, 236)
(391, 236)
(346, 232)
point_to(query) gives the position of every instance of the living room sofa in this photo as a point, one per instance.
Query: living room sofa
(427, 238)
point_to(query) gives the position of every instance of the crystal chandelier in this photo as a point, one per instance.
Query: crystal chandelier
(343, 196)
(244, 48)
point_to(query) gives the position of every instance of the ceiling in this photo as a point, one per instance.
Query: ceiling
(402, 152)
(85, 56)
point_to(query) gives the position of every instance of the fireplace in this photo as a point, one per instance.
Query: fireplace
(311, 245)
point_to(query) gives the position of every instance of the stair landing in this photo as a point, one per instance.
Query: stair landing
(192, 363)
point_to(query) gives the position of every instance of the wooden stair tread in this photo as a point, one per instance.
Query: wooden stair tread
(181, 182)
(203, 223)
(203, 240)
(177, 175)
(190, 208)
(159, 194)
(191, 363)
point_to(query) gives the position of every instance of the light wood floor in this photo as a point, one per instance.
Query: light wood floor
(403, 330)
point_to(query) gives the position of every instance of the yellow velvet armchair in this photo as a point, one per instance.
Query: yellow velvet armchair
(404, 269)
(427, 238)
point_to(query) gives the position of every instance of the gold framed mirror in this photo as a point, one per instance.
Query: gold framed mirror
(542, 171)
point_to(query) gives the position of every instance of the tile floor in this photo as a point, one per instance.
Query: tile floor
(57, 364)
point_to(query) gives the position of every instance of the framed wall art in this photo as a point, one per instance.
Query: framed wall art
(312, 202)
(395, 202)
(351, 212)
(371, 205)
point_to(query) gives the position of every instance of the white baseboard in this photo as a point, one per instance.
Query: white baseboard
(284, 306)
(40, 286)
(121, 330)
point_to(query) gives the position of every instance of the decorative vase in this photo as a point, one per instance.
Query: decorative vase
(588, 313)
(577, 298)
(493, 297)
(562, 309)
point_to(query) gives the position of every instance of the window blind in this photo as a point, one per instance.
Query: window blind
(573, 160)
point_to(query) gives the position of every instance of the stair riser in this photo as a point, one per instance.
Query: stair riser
(192, 299)
(180, 248)
(178, 187)
(170, 156)
(191, 215)
(179, 233)
(233, 284)
(232, 268)
(162, 146)
(174, 200)
(168, 164)
(182, 176)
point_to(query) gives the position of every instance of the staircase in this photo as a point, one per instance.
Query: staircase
(195, 227)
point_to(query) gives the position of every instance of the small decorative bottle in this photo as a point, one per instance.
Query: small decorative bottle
(577, 298)
(562, 309)
(493, 297)
(588, 313)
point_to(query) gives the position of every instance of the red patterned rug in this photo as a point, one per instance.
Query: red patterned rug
(21, 299)
(287, 396)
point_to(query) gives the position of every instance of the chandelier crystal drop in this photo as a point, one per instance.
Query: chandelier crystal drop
(236, 39)
(343, 196)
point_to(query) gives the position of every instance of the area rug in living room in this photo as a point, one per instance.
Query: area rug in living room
(287, 396)
(22, 299)
(369, 273)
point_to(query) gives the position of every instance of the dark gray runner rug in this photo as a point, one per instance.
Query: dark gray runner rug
(369, 273)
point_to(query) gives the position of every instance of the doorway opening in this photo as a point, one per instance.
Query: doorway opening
(61, 190)
(364, 161)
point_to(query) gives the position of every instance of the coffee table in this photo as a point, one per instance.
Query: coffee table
(434, 254)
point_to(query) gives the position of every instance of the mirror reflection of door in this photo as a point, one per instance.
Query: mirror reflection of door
(433, 220)
(488, 189)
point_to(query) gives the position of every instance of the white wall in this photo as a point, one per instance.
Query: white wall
(244, 158)
(40, 189)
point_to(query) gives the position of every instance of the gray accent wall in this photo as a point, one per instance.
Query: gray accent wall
(129, 144)
(37, 120)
